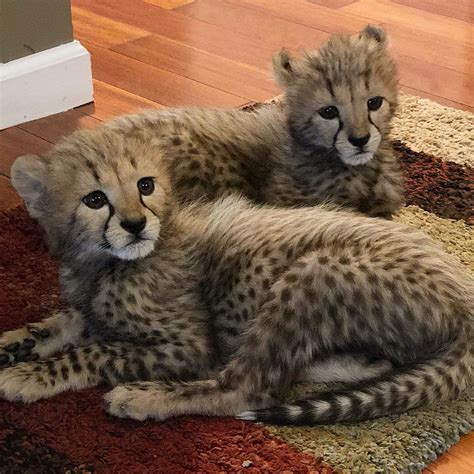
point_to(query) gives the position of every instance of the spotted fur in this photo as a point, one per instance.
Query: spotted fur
(245, 299)
(288, 155)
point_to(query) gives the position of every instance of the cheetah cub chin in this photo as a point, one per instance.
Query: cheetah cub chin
(218, 308)
(327, 142)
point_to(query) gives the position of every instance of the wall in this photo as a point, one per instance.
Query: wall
(31, 26)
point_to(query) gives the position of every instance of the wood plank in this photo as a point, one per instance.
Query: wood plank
(54, 127)
(9, 197)
(110, 101)
(197, 34)
(436, 98)
(101, 30)
(201, 66)
(394, 14)
(332, 3)
(410, 41)
(155, 84)
(15, 142)
(464, 450)
(302, 12)
(436, 80)
(255, 24)
(458, 459)
(169, 4)
(460, 9)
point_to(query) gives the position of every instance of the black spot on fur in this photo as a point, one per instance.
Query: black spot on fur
(285, 295)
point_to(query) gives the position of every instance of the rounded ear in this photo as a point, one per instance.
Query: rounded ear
(284, 68)
(28, 176)
(376, 33)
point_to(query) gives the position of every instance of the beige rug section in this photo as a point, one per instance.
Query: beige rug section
(426, 126)
(456, 237)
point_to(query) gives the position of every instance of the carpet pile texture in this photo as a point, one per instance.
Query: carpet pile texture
(72, 433)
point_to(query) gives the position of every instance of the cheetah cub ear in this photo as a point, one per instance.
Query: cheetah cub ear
(285, 68)
(376, 33)
(28, 175)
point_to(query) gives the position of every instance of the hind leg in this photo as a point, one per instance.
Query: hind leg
(144, 400)
(346, 368)
(323, 305)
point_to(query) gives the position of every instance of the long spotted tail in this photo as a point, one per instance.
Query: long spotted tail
(427, 383)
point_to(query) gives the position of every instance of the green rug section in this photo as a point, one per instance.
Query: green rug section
(406, 443)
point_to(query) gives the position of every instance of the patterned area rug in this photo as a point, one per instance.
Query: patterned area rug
(72, 433)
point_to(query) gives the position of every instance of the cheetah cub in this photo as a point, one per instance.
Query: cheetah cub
(218, 308)
(328, 142)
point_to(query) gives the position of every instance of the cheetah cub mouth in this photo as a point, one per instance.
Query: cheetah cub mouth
(358, 153)
(138, 248)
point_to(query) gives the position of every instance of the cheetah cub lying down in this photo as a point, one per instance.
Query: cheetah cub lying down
(329, 142)
(217, 308)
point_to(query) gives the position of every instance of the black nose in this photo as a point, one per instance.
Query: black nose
(359, 141)
(134, 226)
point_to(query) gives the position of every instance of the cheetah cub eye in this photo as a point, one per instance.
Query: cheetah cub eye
(329, 113)
(146, 186)
(374, 103)
(95, 200)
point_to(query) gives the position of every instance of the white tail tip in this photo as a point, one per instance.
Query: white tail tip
(247, 415)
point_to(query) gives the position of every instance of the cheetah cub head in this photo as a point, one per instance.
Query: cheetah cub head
(93, 197)
(341, 98)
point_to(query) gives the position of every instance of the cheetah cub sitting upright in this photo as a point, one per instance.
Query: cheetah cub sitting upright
(327, 143)
(248, 298)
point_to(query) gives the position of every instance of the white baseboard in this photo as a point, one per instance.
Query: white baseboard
(44, 83)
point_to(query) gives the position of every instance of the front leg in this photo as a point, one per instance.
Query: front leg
(387, 192)
(161, 400)
(43, 339)
(92, 365)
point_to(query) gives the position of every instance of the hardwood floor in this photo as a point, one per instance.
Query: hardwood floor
(156, 53)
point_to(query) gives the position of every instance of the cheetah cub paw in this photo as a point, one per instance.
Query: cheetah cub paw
(22, 345)
(139, 401)
(22, 383)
